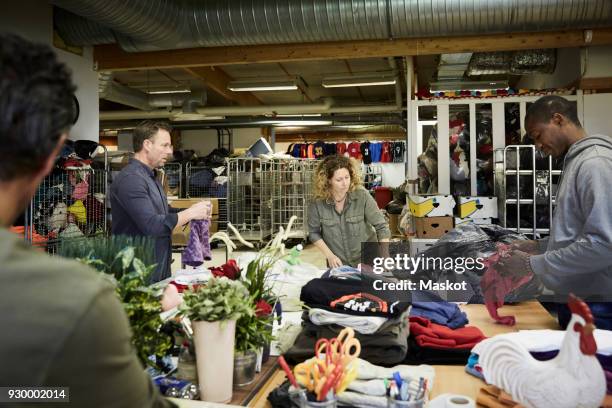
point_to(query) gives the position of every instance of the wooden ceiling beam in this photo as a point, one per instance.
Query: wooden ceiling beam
(111, 57)
(216, 79)
(599, 84)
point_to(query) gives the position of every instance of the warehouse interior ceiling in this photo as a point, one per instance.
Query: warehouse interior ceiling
(200, 48)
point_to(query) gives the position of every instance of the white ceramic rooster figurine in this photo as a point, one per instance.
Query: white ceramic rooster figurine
(574, 378)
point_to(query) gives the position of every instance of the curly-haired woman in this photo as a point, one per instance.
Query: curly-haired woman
(343, 214)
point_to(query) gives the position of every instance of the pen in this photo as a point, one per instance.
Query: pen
(404, 392)
(398, 379)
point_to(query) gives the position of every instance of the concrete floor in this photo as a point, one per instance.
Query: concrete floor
(310, 254)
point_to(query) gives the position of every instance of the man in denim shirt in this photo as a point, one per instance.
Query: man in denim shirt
(139, 206)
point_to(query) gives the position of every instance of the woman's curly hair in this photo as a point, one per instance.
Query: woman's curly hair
(326, 169)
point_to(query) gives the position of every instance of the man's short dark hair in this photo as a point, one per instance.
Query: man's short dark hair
(146, 130)
(36, 105)
(544, 108)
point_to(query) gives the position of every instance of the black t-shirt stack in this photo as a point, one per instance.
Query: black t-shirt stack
(366, 154)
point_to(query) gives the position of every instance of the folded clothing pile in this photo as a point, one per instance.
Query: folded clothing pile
(437, 332)
(346, 298)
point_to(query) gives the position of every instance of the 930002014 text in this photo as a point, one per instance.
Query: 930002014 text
(34, 394)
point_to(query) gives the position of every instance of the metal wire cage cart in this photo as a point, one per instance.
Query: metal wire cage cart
(69, 204)
(372, 176)
(526, 188)
(250, 197)
(173, 179)
(209, 182)
(291, 192)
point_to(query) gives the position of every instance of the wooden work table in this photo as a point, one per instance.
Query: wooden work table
(453, 379)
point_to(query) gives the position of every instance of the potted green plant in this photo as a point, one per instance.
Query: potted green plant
(254, 333)
(213, 309)
(128, 262)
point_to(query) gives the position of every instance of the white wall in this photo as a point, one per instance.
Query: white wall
(566, 71)
(33, 20)
(597, 118)
(597, 61)
(204, 141)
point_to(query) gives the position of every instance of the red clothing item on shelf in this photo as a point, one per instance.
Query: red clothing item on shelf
(495, 287)
(354, 150)
(428, 334)
(340, 148)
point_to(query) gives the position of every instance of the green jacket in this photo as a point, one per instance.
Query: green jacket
(63, 326)
(360, 221)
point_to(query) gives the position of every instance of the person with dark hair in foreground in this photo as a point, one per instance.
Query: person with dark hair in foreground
(62, 323)
(139, 205)
(577, 256)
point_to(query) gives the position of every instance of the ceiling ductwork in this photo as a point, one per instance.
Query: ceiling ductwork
(516, 63)
(453, 66)
(112, 91)
(145, 25)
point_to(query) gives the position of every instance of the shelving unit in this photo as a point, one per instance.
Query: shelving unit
(509, 175)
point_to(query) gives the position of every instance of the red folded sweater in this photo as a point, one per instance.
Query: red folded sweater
(428, 334)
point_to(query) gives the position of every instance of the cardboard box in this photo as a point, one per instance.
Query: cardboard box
(180, 235)
(477, 207)
(431, 206)
(477, 221)
(418, 245)
(432, 227)
(188, 202)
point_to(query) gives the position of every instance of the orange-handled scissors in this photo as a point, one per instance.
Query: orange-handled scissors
(327, 350)
(350, 346)
(310, 372)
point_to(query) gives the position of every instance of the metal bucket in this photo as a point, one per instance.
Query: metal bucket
(244, 368)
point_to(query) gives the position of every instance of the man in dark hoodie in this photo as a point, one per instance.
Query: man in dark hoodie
(62, 323)
(577, 256)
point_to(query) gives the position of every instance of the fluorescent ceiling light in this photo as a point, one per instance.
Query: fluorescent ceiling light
(170, 91)
(370, 79)
(195, 116)
(283, 123)
(353, 126)
(444, 86)
(305, 115)
(263, 85)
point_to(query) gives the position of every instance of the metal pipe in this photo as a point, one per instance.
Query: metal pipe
(324, 107)
(145, 25)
